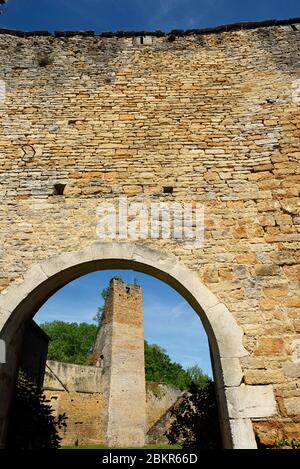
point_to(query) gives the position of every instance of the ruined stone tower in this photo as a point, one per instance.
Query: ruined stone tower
(119, 351)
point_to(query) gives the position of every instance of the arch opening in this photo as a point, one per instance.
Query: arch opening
(21, 302)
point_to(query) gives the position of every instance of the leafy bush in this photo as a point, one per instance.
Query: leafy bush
(196, 422)
(293, 444)
(32, 424)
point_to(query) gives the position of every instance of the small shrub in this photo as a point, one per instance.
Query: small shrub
(196, 422)
(32, 424)
(294, 444)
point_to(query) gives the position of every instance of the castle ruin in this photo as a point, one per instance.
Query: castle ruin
(200, 116)
(119, 351)
(107, 403)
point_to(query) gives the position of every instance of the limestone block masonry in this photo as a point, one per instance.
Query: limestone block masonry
(119, 351)
(216, 116)
(77, 391)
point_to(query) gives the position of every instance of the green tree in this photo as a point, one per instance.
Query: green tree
(70, 342)
(197, 376)
(159, 367)
(32, 425)
(74, 343)
(196, 422)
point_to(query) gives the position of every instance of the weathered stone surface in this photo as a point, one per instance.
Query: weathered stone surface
(17, 293)
(292, 405)
(119, 352)
(78, 391)
(269, 346)
(251, 402)
(268, 432)
(160, 398)
(75, 378)
(61, 263)
(266, 270)
(263, 376)
(231, 372)
(222, 322)
(222, 137)
(242, 434)
(275, 292)
(291, 369)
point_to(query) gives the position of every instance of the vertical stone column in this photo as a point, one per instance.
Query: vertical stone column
(8, 378)
(119, 350)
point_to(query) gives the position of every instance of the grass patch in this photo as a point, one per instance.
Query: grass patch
(107, 447)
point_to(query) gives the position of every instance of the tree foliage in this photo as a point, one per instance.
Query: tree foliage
(73, 343)
(32, 424)
(196, 422)
(160, 368)
(197, 376)
(70, 342)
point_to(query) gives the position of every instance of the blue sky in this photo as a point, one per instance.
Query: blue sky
(112, 15)
(169, 320)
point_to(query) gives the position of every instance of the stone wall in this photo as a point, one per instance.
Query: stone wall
(160, 397)
(119, 351)
(34, 353)
(84, 413)
(77, 391)
(216, 117)
(72, 378)
(157, 433)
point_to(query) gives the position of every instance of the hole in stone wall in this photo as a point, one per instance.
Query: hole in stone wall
(294, 28)
(127, 290)
(142, 40)
(44, 60)
(168, 190)
(59, 189)
(139, 40)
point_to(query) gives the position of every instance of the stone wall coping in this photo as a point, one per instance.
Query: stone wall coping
(175, 32)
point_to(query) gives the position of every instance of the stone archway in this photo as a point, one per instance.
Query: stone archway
(237, 403)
